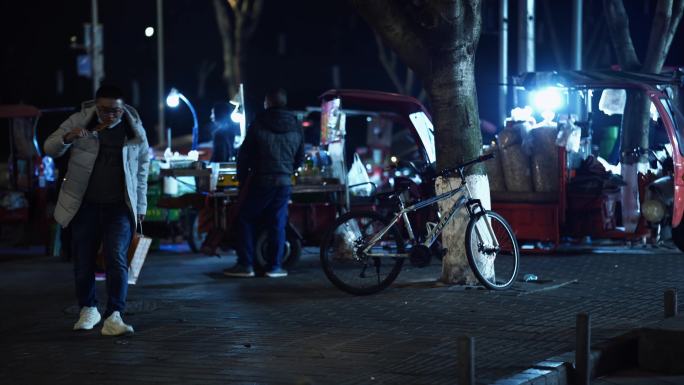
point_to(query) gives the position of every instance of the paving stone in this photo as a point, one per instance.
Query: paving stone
(661, 346)
(194, 326)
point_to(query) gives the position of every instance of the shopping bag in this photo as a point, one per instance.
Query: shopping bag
(137, 252)
(357, 179)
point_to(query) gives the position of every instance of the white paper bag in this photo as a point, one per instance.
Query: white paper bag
(137, 252)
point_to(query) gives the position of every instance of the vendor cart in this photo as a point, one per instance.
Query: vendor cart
(571, 185)
(211, 226)
(549, 179)
(377, 126)
(23, 183)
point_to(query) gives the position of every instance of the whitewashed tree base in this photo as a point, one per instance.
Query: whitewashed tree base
(455, 268)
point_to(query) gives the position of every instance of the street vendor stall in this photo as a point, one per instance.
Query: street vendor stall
(556, 174)
(559, 173)
(313, 207)
(23, 185)
(371, 127)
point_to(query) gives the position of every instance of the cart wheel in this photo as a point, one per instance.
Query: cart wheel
(291, 254)
(194, 236)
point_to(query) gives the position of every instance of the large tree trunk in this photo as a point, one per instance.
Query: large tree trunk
(453, 97)
(438, 40)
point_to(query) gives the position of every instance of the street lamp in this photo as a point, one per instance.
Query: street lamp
(172, 100)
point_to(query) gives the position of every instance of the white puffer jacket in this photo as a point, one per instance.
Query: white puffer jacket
(84, 151)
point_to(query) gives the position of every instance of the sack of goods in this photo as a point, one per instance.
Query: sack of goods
(494, 170)
(545, 172)
(514, 161)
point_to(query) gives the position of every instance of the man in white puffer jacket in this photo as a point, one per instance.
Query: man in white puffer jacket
(102, 198)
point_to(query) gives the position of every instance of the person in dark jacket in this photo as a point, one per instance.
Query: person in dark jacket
(273, 149)
(223, 135)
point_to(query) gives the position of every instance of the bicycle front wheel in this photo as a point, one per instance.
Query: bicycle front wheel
(348, 267)
(493, 256)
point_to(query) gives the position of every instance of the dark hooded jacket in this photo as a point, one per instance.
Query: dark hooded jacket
(273, 149)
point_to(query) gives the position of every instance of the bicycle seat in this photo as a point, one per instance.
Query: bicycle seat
(392, 194)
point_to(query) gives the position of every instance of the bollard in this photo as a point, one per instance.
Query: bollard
(583, 349)
(466, 360)
(670, 297)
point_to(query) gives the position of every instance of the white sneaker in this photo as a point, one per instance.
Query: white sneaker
(114, 326)
(89, 317)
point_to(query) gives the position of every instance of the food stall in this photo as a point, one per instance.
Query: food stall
(374, 125)
(24, 179)
(558, 173)
(557, 176)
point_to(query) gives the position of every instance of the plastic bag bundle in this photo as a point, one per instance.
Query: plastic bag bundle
(494, 170)
(358, 177)
(345, 239)
(545, 172)
(613, 101)
(569, 136)
(514, 162)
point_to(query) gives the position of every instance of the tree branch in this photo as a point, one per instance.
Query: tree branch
(618, 27)
(387, 18)
(657, 51)
(389, 66)
(227, 34)
(677, 11)
(254, 14)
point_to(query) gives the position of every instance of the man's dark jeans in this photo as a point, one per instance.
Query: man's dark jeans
(112, 226)
(267, 205)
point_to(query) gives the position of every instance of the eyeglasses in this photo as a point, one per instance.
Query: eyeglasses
(110, 110)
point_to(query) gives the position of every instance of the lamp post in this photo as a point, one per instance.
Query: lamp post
(172, 100)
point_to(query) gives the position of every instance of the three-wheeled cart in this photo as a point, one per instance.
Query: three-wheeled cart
(24, 185)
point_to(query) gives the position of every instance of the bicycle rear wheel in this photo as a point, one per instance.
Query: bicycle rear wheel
(496, 267)
(353, 271)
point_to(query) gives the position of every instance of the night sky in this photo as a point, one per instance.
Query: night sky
(318, 35)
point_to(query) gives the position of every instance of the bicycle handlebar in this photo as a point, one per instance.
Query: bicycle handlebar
(448, 171)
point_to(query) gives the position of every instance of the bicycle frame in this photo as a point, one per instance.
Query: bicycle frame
(435, 231)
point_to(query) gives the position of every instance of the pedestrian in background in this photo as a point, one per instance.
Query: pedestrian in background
(273, 149)
(223, 134)
(102, 198)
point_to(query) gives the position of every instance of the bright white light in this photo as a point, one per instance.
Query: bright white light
(548, 115)
(149, 31)
(548, 99)
(521, 114)
(237, 116)
(173, 99)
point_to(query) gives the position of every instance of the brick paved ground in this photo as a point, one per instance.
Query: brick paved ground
(193, 326)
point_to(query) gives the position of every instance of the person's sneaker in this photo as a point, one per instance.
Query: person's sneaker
(114, 326)
(276, 272)
(239, 271)
(88, 318)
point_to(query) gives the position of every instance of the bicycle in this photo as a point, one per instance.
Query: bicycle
(374, 243)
